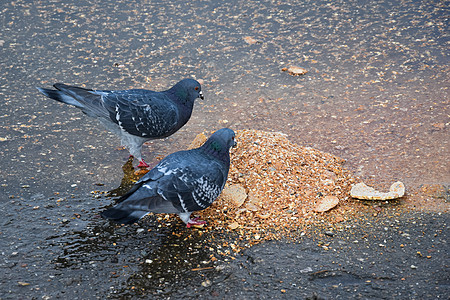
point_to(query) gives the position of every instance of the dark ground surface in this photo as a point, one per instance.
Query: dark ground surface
(376, 94)
(61, 256)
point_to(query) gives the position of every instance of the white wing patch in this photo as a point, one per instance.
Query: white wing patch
(165, 170)
(118, 117)
(205, 192)
(182, 203)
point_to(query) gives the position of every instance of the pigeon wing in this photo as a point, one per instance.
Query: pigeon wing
(193, 187)
(142, 113)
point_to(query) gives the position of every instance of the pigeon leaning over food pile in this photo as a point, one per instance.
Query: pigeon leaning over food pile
(183, 182)
(135, 115)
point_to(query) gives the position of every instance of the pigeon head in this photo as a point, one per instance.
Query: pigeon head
(219, 144)
(187, 90)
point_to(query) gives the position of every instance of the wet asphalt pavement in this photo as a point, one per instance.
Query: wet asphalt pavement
(84, 257)
(376, 94)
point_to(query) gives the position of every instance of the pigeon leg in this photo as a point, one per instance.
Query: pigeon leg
(195, 222)
(143, 164)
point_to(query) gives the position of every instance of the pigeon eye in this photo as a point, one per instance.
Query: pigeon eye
(196, 88)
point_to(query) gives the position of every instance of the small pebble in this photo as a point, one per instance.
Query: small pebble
(206, 283)
(295, 71)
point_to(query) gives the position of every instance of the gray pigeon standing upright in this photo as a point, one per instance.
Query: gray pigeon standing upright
(183, 182)
(135, 115)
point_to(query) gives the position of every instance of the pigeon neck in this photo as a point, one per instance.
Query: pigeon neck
(217, 150)
(181, 96)
(181, 99)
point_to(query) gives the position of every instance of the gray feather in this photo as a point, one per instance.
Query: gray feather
(183, 182)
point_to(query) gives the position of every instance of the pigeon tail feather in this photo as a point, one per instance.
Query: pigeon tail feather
(60, 97)
(90, 100)
(123, 216)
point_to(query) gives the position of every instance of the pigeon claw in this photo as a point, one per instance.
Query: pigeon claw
(143, 164)
(195, 222)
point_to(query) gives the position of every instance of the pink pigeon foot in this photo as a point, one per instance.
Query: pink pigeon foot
(143, 164)
(195, 222)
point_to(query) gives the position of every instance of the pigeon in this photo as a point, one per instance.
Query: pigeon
(135, 115)
(183, 182)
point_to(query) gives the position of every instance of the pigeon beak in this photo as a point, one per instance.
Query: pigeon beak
(200, 95)
(234, 144)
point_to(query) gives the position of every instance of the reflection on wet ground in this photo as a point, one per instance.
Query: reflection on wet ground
(130, 177)
(376, 94)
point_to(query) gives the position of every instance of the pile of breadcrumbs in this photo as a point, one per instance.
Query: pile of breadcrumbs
(275, 188)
